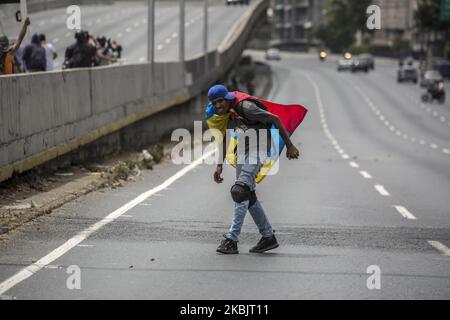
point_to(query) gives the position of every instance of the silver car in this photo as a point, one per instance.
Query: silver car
(273, 54)
(430, 77)
(344, 64)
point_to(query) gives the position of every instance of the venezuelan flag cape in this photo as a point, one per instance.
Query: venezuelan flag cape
(290, 115)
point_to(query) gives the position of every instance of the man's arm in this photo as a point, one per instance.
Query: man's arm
(218, 172)
(291, 152)
(22, 34)
(255, 113)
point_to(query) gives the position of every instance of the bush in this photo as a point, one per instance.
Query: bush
(359, 49)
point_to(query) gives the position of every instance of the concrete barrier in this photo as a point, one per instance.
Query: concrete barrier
(46, 115)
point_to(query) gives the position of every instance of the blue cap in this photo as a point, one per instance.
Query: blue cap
(35, 39)
(219, 91)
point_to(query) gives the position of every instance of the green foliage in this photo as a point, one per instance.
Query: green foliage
(343, 18)
(360, 49)
(427, 16)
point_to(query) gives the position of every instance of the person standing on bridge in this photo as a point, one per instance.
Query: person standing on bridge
(247, 113)
(7, 52)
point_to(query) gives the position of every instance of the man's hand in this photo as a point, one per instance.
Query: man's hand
(292, 152)
(218, 173)
(27, 21)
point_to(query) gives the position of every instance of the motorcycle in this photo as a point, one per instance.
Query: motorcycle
(435, 92)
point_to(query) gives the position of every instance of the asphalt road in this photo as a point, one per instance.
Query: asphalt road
(362, 195)
(126, 22)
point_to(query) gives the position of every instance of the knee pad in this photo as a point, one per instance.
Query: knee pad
(240, 192)
(253, 199)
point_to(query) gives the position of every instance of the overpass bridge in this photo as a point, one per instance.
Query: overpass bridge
(47, 115)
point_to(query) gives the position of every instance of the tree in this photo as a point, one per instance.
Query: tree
(342, 19)
(427, 20)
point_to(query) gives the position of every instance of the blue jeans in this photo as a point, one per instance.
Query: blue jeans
(247, 173)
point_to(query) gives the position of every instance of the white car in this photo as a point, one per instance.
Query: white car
(273, 54)
(344, 64)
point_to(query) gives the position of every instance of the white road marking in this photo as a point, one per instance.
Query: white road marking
(168, 40)
(128, 29)
(381, 190)
(365, 174)
(392, 127)
(136, 24)
(142, 59)
(56, 40)
(354, 164)
(404, 212)
(99, 20)
(160, 46)
(446, 151)
(68, 34)
(85, 245)
(42, 23)
(83, 235)
(174, 35)
(440, 247)
(345, 156)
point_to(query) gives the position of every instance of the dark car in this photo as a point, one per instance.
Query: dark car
(443, 66)
(406, 61)
(228, 2)
(368, 59)
(361, 63)
(407, 73)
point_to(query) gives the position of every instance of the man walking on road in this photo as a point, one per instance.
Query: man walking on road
(249, 113)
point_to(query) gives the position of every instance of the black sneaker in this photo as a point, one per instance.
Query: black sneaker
(265, 244)
(228, 246)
